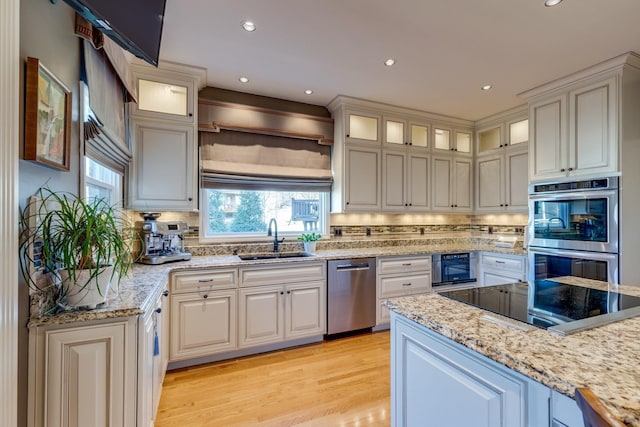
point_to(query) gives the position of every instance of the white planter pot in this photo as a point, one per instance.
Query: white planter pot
(309, 247)
(85, 292)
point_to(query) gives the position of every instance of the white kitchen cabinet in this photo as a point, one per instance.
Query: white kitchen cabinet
(501, 164)
(281, 303)
(575, 130)
(370, 175)
(405, 181)
(497, 269)
(163, 175)
(83, 375)
(362, 180)
(399, 131)
(400, 276)
(451, 184)
(152, 359)
(163, 132)
(203, 312)
(436, 379)
(501, 181)
(203, 323)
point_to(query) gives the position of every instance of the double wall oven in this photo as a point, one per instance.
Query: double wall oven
(573, 229)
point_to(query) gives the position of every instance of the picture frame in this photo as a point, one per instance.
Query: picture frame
(47, 133)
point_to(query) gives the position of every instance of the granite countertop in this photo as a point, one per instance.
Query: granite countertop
(139, 289)
(604, 359)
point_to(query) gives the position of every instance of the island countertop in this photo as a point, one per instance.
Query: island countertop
(604, 359)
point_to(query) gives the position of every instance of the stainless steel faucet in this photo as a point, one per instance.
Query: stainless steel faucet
(276, 242)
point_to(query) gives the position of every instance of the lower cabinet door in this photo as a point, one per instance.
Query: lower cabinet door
(87, 380)
(202, 324)
(261, 315)
(436, 384)
(304, 313)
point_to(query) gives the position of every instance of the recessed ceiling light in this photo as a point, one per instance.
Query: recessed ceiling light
(550, 3)
(243, 79)
(486, 87)
(248, 26)
(308, 91)
(389, 62)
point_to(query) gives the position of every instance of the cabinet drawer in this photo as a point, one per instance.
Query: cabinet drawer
(405, 285)
(403, 265)
(283, 273)
(504, 263)
(203, 280)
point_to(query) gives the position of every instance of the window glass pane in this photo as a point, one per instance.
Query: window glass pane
(463, 142)
(419, 135)
(102, 182)
(395, 132)
(247, 212)
(519, 132)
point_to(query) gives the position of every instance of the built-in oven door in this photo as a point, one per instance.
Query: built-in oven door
(584, 221)
(550, 263)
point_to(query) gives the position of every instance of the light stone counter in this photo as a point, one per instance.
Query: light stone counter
(605, 359)
(137, 291)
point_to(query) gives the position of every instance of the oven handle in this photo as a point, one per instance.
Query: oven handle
(573, 195)
(597, 256)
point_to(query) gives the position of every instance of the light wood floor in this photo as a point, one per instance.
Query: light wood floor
(344, 382)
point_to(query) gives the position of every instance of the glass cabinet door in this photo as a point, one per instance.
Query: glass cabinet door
(162, 97)
(463, 142)
(419, 135)
(361, 127)
(394, 132)
(489, 139)
(442, 139)
(519, 132)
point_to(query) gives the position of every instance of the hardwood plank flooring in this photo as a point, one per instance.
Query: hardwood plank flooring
(343, 382)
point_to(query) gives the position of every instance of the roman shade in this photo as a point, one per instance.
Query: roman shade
(246, 160)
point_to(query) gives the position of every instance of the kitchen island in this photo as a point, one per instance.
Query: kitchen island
(604, 359)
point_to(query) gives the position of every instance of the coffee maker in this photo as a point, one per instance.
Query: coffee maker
(162, 241)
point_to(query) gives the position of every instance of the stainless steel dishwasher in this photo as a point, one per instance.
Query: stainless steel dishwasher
(351, 295)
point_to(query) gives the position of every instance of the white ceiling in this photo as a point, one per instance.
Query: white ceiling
(445, 50)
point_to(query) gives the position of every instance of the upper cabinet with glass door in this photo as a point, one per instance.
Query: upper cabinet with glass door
(163, 97)
(362, 127)
(458, 141)
(494, 137)
(405, 132)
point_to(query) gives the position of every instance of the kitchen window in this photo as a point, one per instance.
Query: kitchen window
(247, 179)
(234, 213)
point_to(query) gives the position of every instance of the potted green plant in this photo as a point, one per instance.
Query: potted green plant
(309, 241)
(85, 244)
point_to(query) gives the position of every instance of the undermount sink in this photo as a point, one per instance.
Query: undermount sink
(273, 255)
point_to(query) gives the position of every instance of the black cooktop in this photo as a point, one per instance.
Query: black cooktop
(547, 303)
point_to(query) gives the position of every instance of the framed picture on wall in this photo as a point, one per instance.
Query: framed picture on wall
(47, 131)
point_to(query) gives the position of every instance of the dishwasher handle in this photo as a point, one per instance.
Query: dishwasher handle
(352, 267)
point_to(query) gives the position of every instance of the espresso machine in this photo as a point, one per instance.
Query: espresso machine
(162, 241)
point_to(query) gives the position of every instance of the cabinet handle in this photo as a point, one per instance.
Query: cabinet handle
(347, 135)
(501, 204)
(205, 280)
(190, 199)
(570, 169)
(165, 293)
(190, 114)
(406, 284)
(451, 205)
(562, 170)
(455, 206)
(158, 310)
(281, 292)
(205, 296)
(499, 262)
(407, 264)
(451, 148)
(410, 204)
(410, 143)
(347, 203)
(506, 204)
(288, 292)
(406, 204)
